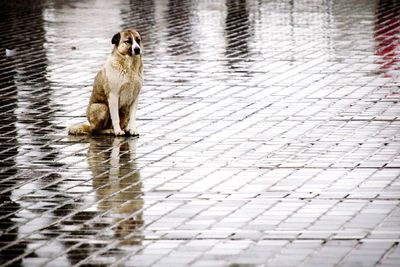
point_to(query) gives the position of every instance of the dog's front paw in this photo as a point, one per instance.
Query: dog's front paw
(119, 132)
(132, 131)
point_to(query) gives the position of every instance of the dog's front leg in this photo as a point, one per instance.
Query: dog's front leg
(131, 127)
(113, 105)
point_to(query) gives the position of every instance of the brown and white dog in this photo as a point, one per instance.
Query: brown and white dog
(113, 103)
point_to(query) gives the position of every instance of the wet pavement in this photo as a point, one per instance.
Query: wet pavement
(269, 135)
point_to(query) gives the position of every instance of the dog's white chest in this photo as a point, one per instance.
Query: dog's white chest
(115, 79)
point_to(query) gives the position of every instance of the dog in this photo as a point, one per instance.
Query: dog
(114, 99)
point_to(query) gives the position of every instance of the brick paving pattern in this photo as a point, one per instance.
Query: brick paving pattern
(269, 135)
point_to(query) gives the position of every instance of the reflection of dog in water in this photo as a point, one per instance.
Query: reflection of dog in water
(116, 180)
(113, 103)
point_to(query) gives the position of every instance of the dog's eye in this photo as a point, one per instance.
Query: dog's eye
(137, 40)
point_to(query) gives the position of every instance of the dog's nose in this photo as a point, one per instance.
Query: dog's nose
(136, 50)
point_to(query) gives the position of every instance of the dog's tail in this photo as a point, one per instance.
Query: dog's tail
(79, 129)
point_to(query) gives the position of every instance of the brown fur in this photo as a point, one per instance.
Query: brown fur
(121, 77)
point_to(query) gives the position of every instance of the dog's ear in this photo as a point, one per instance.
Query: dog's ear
(116, 38)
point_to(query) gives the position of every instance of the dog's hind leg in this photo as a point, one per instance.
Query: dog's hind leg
(79, 129)
(98, 117)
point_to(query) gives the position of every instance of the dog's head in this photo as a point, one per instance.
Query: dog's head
(128, 42)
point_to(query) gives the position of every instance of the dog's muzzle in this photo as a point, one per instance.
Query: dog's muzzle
(136, 51)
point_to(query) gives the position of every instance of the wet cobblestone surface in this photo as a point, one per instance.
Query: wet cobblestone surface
(269, 135)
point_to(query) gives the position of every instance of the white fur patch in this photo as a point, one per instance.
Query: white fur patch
(116, 78)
